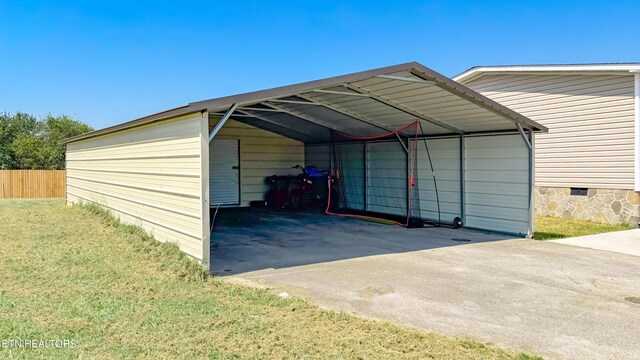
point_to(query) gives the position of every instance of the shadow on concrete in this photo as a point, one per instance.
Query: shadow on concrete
(250, 239)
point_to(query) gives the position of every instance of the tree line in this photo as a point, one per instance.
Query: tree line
(28, 142)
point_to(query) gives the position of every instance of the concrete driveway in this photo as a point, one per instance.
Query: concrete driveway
(556, 300)
(623, 242)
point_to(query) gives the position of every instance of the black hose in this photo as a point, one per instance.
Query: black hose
(433, 173)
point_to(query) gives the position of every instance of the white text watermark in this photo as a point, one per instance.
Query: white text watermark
(37, 344)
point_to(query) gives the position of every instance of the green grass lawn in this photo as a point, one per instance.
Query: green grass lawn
(69, 273)
(548, 228)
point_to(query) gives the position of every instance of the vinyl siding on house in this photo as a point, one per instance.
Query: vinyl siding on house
(590, 119)
(262, 154)
(150, 176)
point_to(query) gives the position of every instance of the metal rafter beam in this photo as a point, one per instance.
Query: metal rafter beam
(222, 121)
(247, 108)
(406, 149)
(234, 115)
(524, 136)
(403, 108)
(292, 102)
(275, 122)
(402, 78)
(347, 113)
(305, 117)
(322, 91)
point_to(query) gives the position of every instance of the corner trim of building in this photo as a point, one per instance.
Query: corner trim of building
(204, 190)
(636, 101)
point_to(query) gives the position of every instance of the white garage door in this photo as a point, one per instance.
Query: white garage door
(224, 172)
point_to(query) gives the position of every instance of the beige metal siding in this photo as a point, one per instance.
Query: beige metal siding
(262, 154)
(352, 173)
(445, 155)
(387, 178)
(148, 176)
(590, 119)
(497, 183)
(496, 180)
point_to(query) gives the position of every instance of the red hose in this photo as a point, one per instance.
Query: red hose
(328, 212)
(410, 180)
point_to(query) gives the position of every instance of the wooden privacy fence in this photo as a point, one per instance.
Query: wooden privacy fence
(32, 183)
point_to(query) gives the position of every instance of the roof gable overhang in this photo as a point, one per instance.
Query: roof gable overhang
(564, 69)
(359, 104)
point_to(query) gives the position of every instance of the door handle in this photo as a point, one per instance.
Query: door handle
(235, 167)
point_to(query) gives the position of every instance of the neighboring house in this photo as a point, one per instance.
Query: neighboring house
(588, 165)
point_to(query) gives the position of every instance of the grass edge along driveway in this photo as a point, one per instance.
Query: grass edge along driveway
(72, 273)
(548, 228)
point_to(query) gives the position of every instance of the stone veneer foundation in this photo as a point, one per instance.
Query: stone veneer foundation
(602, 205)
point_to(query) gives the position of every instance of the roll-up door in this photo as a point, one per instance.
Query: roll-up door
(224, 172)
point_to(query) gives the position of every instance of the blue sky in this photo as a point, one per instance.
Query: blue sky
(106, 62)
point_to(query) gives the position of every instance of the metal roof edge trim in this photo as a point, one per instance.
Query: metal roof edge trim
(293, 89)
(478, 71)
(491, 105)
(163, 115)
(214, 104)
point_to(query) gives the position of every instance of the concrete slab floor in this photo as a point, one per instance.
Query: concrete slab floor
(555, 300)
(624, 242)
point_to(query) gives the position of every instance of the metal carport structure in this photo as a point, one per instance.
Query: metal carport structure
(486, 148)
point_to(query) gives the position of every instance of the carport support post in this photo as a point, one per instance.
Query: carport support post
(204, 190)
(462, 187)
(532, 184)
(406, 148)
(528, 141)
(366, 154)
(331, 156)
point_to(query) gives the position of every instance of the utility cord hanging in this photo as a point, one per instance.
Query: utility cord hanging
(433, 173)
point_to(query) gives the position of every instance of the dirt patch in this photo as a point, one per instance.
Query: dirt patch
(633, 299)
(371, 292)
